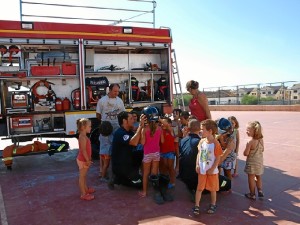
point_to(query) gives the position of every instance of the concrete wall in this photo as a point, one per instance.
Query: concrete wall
(255, 108)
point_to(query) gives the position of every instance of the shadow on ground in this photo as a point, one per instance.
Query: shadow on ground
(48, 187)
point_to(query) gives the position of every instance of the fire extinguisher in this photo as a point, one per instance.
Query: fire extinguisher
(66, 104)
(75, 98)
(58, 104)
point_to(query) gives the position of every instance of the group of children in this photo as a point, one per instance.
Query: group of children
(217, 150)
(160, 149)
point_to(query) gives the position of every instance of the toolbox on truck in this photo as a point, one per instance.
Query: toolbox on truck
(45, 70)
(42, 70)
(68, 68)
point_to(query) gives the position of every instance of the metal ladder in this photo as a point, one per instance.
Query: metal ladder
(177, 83)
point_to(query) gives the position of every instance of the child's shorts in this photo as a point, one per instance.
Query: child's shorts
(81, 164)
(209, 182)
(168, 155)
(151, 157)
(105, 156)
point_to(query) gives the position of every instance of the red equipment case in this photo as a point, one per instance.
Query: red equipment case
(69, 68)
(45, 70)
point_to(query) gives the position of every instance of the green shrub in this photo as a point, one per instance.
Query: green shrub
(249, 100)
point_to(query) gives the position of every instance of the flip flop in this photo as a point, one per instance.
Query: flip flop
(141, 194)
(87, 197)
(90, 190)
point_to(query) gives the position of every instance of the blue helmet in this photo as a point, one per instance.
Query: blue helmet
(224, 126)
(151, 113)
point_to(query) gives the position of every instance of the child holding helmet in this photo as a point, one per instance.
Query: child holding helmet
(227, 140)
(151, 137)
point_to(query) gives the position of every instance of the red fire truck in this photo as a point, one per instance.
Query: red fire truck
(54, 73)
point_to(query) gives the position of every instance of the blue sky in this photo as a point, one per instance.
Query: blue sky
(219, 42)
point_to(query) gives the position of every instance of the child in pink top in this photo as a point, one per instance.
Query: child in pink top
(84, 157)
(151, 137)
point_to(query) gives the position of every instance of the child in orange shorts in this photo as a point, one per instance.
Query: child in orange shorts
(208, 158)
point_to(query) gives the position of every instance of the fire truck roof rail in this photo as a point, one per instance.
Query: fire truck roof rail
(128, 14)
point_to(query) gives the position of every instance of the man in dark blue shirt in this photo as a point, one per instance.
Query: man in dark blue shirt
(123, 146)
(188, 151)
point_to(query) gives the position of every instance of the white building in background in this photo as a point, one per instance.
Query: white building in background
(243, 91)
(295, 92)
(234, 97)
(222, 97)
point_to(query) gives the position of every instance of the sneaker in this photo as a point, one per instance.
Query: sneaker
(250, 196)
(196, 210)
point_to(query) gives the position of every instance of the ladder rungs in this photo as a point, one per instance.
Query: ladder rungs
(176, 80)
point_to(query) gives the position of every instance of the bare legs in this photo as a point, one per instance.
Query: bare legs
(104, 165)
(166, 167)
(82, 181)
(147, 168)
(254, 181)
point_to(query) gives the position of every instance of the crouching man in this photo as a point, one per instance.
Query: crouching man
(124, 166)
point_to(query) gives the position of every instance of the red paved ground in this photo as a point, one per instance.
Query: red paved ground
(43, 189)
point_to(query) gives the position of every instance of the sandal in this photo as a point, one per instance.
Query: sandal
(87, 197)
(196, 210)
(90, 190)
(260, 194)
(250, 196)
(142, 195)
(212, 209)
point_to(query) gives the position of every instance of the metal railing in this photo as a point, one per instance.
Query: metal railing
(54, 11)
(276, 93)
